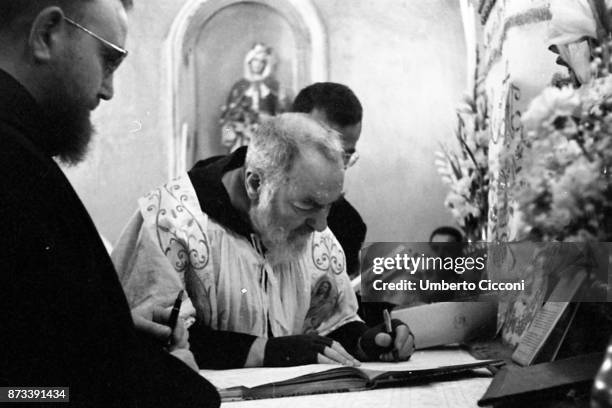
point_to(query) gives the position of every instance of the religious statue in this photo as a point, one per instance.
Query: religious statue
(257, 95)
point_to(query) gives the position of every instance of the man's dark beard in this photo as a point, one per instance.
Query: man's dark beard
(70, 131)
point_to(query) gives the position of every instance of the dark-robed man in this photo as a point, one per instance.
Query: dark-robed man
(65, 321)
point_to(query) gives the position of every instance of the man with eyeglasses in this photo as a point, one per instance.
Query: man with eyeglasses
(336, 106)
(64, 319)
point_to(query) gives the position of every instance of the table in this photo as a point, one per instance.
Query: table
(457, 393)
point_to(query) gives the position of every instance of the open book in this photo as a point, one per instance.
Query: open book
(341, 379)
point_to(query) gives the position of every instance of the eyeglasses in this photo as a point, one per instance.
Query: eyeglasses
(350, 159)
(111, 63)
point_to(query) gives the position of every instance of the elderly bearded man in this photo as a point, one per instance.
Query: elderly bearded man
(247, 236)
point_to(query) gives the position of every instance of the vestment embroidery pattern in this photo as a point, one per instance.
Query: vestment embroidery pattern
(327, 254)
(184, 246)
(200, 291)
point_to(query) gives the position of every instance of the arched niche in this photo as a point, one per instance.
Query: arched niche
(189, 111)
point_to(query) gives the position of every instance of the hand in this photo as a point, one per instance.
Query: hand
(305, 349)
(186, 357)
(377, 344)
(151, 318)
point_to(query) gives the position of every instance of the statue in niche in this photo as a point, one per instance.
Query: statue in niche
(257, 95)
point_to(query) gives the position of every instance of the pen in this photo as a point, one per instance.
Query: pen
(389, 329)
(174, 314)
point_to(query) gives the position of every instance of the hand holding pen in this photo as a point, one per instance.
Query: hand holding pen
(157, 320)
(390, 341)
(172, 321)
(389, 330)
(152, 318)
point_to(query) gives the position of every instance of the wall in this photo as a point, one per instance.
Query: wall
(128, 155)
(404, 59)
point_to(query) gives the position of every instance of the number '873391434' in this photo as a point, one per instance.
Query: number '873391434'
(34, 394)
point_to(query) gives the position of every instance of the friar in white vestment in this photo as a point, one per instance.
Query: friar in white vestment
(246, 236)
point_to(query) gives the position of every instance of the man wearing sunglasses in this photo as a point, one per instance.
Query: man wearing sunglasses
(336, 106)
(65, 321)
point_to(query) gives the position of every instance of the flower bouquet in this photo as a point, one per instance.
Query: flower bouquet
(563, 183)
(466, 171)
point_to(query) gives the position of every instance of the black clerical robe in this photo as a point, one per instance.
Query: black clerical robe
(64, 320)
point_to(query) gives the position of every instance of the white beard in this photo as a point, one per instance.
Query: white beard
(282, 245)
